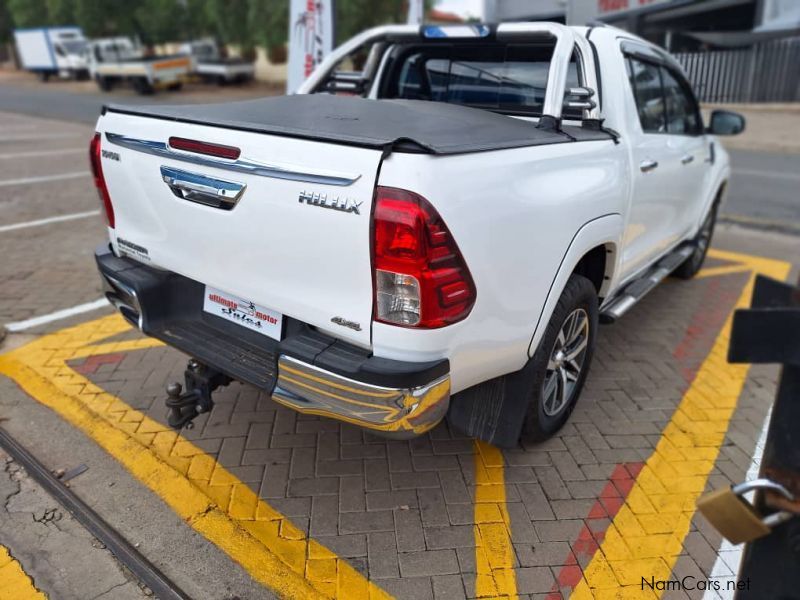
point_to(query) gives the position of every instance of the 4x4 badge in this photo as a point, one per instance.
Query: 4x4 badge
(347, 205)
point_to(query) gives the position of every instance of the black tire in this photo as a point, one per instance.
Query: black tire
(175, 87)
(702, 241)
(104, 83)
(44, 76)
(142, 86)
(547, 410)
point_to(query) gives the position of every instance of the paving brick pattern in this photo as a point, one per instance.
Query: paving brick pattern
(47, 268)
(402, 513)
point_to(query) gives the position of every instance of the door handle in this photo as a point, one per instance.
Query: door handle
(202, 189)
(687, 159)
(647, 165)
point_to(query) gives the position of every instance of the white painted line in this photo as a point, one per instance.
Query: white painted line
(769, 174)
(58, 315)
(47, 221)
(729, 557)
(43, 153)
(43, 178)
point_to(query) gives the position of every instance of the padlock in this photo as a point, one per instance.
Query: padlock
(735, 518)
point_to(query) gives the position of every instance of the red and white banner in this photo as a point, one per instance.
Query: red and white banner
(310, 38)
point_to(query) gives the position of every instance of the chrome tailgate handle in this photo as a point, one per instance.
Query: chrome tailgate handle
(203, 189)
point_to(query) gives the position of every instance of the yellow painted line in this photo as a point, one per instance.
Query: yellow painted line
(724, 270)
(204, 494)
(646, 536)
(494, 553)
(14, 582)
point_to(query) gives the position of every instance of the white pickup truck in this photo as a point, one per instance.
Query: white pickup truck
(444, 246)
(119, 61)
(211, 66)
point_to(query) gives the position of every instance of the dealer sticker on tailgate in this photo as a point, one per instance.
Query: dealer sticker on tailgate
(245, 313)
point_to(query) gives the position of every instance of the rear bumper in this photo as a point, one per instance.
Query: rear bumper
(307, 370)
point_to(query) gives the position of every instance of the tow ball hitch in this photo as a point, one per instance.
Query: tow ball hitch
(200, 381)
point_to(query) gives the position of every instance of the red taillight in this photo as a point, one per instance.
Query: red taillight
(199, 147)
(99, 181)
(421, 279)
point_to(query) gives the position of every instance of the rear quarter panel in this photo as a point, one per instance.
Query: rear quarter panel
(514, 214)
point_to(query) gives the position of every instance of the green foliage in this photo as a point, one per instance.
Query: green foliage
(101, 18)
(246, 23)
(353, 16)
(28, 13)
(6, 24)
(60, 12)
(160, 20)
(268, 22)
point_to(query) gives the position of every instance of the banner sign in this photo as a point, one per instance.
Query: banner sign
(416, 12)
(310, 38)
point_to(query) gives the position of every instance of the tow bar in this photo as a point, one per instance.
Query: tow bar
(200, 381)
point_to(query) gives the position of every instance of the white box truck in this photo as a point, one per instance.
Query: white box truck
(52, 51)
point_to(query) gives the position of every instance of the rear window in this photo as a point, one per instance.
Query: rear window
(506, 78)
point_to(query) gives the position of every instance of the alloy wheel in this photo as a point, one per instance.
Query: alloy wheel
(566, 362)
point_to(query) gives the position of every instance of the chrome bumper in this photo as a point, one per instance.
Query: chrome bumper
(396, 412)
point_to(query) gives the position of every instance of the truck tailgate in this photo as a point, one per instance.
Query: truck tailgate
(295, 241)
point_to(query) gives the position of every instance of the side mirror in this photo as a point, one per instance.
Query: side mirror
(726, 122)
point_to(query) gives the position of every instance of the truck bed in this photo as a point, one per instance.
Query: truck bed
(409, 125)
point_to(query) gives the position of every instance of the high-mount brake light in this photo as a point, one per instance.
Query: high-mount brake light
(198, 147)
(421, 278)
(95, 160)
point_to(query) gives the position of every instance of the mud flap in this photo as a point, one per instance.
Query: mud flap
(493, 411)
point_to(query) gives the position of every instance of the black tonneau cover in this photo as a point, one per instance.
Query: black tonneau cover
(434, 127)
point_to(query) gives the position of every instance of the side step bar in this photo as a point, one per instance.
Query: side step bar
(638, 288)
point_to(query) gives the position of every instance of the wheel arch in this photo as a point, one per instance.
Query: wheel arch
(593, 252)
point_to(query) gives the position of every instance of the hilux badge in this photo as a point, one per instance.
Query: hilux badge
(347, 205)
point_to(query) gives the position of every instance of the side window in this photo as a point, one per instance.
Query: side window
(645, 80)
(682, 117)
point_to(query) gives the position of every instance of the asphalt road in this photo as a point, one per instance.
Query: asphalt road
(763, 189)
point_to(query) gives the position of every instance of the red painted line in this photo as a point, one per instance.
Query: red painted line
(704, 326)
(92, 363)
(603, 511)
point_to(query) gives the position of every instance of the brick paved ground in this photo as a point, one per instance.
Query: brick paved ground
(402, 513)
(51, 267)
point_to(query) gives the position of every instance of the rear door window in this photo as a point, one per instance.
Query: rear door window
(648, 90)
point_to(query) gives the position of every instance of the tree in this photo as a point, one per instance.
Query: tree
(6, 24)
(269, 22)
(354, 16)
(160, 20)
(60, 12)
(28, 13)
(99, 18)
(230, 17)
